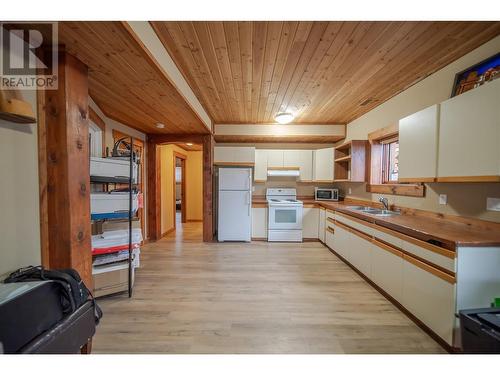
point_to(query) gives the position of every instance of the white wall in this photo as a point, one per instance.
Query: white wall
(19, 196)
(463, 199)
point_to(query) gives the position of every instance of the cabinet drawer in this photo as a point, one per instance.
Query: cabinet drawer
(429, 295)
(330, 214)
(330, 236)
(384, 235)
(354, 223)
(387, 269)
(433, 254)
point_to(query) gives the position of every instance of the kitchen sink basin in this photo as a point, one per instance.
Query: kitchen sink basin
(384, 212)
(374, 211)
(363, 208)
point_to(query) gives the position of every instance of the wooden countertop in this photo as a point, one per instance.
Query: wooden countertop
(451, 233)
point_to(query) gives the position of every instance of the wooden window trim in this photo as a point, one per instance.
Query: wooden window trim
(96, 119)
(377, 139)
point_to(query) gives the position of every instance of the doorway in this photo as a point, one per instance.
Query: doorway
(179, 188)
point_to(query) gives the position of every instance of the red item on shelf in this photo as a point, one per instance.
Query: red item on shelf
(112, 249)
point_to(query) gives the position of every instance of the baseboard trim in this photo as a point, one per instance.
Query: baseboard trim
(418, 322)
(167, 232)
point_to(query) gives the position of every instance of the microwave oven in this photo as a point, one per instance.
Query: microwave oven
(321, 194)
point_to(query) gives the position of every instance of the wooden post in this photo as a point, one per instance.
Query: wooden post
(154, 190)
(68, 183)
(208, 172)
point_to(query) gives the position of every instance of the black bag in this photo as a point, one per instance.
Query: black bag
(74, 292)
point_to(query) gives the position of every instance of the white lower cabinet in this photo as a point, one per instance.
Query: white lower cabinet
(321, 224)
(259, 222)
(342, 243)
(360, 252)
(310, 222)
(430, 298)
(387, 269)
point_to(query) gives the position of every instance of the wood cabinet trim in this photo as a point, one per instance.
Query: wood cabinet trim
(409, 190)
(235, 163)
(417, 179)
(469, 179)
(331, 220)
(388, 248)
(283, 168)
(354, 231)
(330, 229)
(435, 249)
(360, 221)
(426, 267)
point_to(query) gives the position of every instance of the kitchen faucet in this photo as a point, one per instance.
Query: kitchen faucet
(385, 202)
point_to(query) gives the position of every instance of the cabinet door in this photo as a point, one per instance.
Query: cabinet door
(387, 269)
(234, 154)
(301, 159)
(259, 222)
(360, 252)
(418, 145)
(310, 222)
(321, 225)
(323, 164)
(275, 158)
(260, 165)
(469, 135)
(342, 242)
(429, 297)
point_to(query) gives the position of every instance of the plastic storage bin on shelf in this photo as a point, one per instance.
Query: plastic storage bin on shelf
(112, 168)
(111, 205)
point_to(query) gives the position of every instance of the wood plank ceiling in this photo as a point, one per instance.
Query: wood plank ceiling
(123, 80)
(324, 72)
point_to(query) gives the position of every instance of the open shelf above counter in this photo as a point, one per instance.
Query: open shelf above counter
(350, 161)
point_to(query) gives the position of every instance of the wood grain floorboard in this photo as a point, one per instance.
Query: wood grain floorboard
(195, 297)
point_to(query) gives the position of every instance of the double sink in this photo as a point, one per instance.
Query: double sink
(374, 211)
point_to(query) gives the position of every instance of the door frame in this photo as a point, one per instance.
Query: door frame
(182, 157)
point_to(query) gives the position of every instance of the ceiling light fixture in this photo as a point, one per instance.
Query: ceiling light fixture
(284, 117)
(189, 144)
(159, 125)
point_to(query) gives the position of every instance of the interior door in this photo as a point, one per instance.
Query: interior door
(235, 178)
(234, 216)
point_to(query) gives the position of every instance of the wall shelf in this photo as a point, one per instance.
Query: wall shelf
(350, 161)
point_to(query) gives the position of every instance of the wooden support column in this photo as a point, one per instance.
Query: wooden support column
(67, 169)
(208, 172)
(154, 190)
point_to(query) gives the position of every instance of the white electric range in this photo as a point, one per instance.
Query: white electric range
(284, 215)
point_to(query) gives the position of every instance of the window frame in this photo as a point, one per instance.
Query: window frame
(376, 183)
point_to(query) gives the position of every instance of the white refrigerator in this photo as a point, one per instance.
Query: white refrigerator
(234, 204)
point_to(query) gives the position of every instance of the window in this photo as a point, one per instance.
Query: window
(390, 153)
(384, 165)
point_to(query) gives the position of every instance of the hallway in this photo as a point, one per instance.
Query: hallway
(195, 297)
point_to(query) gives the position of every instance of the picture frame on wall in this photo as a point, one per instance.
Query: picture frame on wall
(476, 75)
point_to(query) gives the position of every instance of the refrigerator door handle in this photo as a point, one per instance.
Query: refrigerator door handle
(249, 203)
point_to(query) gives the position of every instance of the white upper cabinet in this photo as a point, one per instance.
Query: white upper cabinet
(323, 164)
(469, 136)
(275, 158)
(260, 165)
(302, 159)
(418, 146)
(234, 155)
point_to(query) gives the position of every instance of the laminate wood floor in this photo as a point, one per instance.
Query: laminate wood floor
(194, 297)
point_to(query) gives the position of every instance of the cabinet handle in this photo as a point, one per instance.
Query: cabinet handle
(388, 248)
(424, 266)
(330, 220)
(330, 229)
(357, 232)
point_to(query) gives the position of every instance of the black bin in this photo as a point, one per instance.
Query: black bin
(480, 330)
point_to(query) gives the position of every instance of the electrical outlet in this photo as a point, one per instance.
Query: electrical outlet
(493, 204)
(349, 191)
(443, 198)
